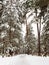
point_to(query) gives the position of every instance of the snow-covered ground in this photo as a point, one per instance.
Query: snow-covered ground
(24, 59)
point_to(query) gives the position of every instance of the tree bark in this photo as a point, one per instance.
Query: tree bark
(38, 31)
(38, 40)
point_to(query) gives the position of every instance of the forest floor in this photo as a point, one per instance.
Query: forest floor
(24, 59)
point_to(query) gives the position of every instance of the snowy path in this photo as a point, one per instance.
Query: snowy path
(24, 60)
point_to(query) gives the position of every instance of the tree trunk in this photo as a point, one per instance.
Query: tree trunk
(38, 39)
(38, 31)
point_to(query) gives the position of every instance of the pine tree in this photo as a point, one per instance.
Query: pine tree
(10, 25)
(30, 40)
(45, 34)
(1, 11)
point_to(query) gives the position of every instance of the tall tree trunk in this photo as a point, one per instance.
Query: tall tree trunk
(10, 26)
(10, 32)
(45, 49)
(40, 23)
(38, 31)
(38, 40)
(27, 35)
(10, 35)
(1, 10)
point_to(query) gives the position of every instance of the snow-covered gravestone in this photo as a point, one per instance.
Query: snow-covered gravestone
(24, 59)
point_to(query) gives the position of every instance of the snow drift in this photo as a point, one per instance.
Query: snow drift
(24, 59)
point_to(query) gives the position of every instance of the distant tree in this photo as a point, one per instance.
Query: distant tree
(45, 34)
(10, 25)
(30, 40)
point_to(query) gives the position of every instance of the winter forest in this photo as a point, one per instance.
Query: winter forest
(17, 27)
